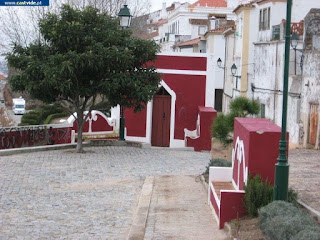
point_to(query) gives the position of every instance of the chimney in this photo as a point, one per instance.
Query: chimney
(164, 11)
(212, 22)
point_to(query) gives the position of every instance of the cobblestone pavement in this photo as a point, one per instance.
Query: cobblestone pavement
(304, 175)
(63, 195)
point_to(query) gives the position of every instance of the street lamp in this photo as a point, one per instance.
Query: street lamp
(281, 179)
(294, 45)
(219, 63)
(125, 21)
(125, 17)
(234, 72)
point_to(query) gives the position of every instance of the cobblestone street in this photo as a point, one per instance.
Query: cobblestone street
(304, 175)
(63, 195)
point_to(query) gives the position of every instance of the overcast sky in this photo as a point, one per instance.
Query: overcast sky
(157, 4)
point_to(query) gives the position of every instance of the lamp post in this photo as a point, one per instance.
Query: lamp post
(125, 21)
(234, 72)
(282, 168)
(294, 44)
(219, 63)
(125, 17)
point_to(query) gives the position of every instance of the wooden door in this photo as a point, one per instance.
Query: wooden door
(314, 119)
(161, 114)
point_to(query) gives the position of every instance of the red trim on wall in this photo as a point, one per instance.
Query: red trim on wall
(181, 63)
(31, 136)
(214, 203)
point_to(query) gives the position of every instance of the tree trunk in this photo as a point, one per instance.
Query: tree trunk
(80, 122)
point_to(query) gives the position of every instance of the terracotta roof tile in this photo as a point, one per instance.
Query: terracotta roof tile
(198, 21)
(209, 3)
(153, 34)
(188, 43)
(160, 22)
(2, 77)
(219, 30)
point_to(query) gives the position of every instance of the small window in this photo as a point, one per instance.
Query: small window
(276, 32)
(202, 30)
(263, 111)
(264, 19)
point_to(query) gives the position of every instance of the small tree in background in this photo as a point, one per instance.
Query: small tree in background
(85, 54)
(223, 125)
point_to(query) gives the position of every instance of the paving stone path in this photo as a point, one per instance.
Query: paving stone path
(63, 195)
(304, 175)
(179, 210)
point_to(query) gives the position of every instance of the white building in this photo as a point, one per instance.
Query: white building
(257, 49)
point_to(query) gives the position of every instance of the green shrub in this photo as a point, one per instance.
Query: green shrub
(258, 193)
(38, 116)
(217, 162)
(308, 233)
(242, 107)
(281, 220)
(221, 128)
(274, 209)
(224, 123)
(52, 116)
(293, 197)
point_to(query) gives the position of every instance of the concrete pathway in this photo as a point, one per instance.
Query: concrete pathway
(304, 175)
(179, 210)
(63, 195)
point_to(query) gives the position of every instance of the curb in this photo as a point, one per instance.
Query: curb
(107, 142)
(227, 227)
(138, 227)
(314, 213)
(13, 151)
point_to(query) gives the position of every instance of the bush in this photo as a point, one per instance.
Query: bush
(308, 233)
(53, 116)
(217, 162)
(282, 220)
(258, 193)
(242, 107)
(293, 197)
(221, 128)
(224, 123)
(38, 116)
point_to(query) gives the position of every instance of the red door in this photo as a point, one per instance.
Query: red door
(161, 114)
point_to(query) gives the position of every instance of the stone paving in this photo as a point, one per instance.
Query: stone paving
(179, 210)
(304, 175)
(63, 195)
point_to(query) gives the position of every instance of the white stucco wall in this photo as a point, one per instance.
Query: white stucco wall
(310, 93)
(229, 80)
(268, 76)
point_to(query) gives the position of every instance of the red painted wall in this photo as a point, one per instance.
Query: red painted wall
(181, 63)
(136, 122)
(190, 93)
(100, 125)
(214, 203)
(231, 207)
(261, 142)
(29, 136)
(207, 116)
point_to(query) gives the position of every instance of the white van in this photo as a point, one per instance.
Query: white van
(19, 105)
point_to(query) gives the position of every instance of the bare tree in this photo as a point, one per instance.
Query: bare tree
(20, 24)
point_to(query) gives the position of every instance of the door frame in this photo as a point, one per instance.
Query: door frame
(161, 138)
(173, 142)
